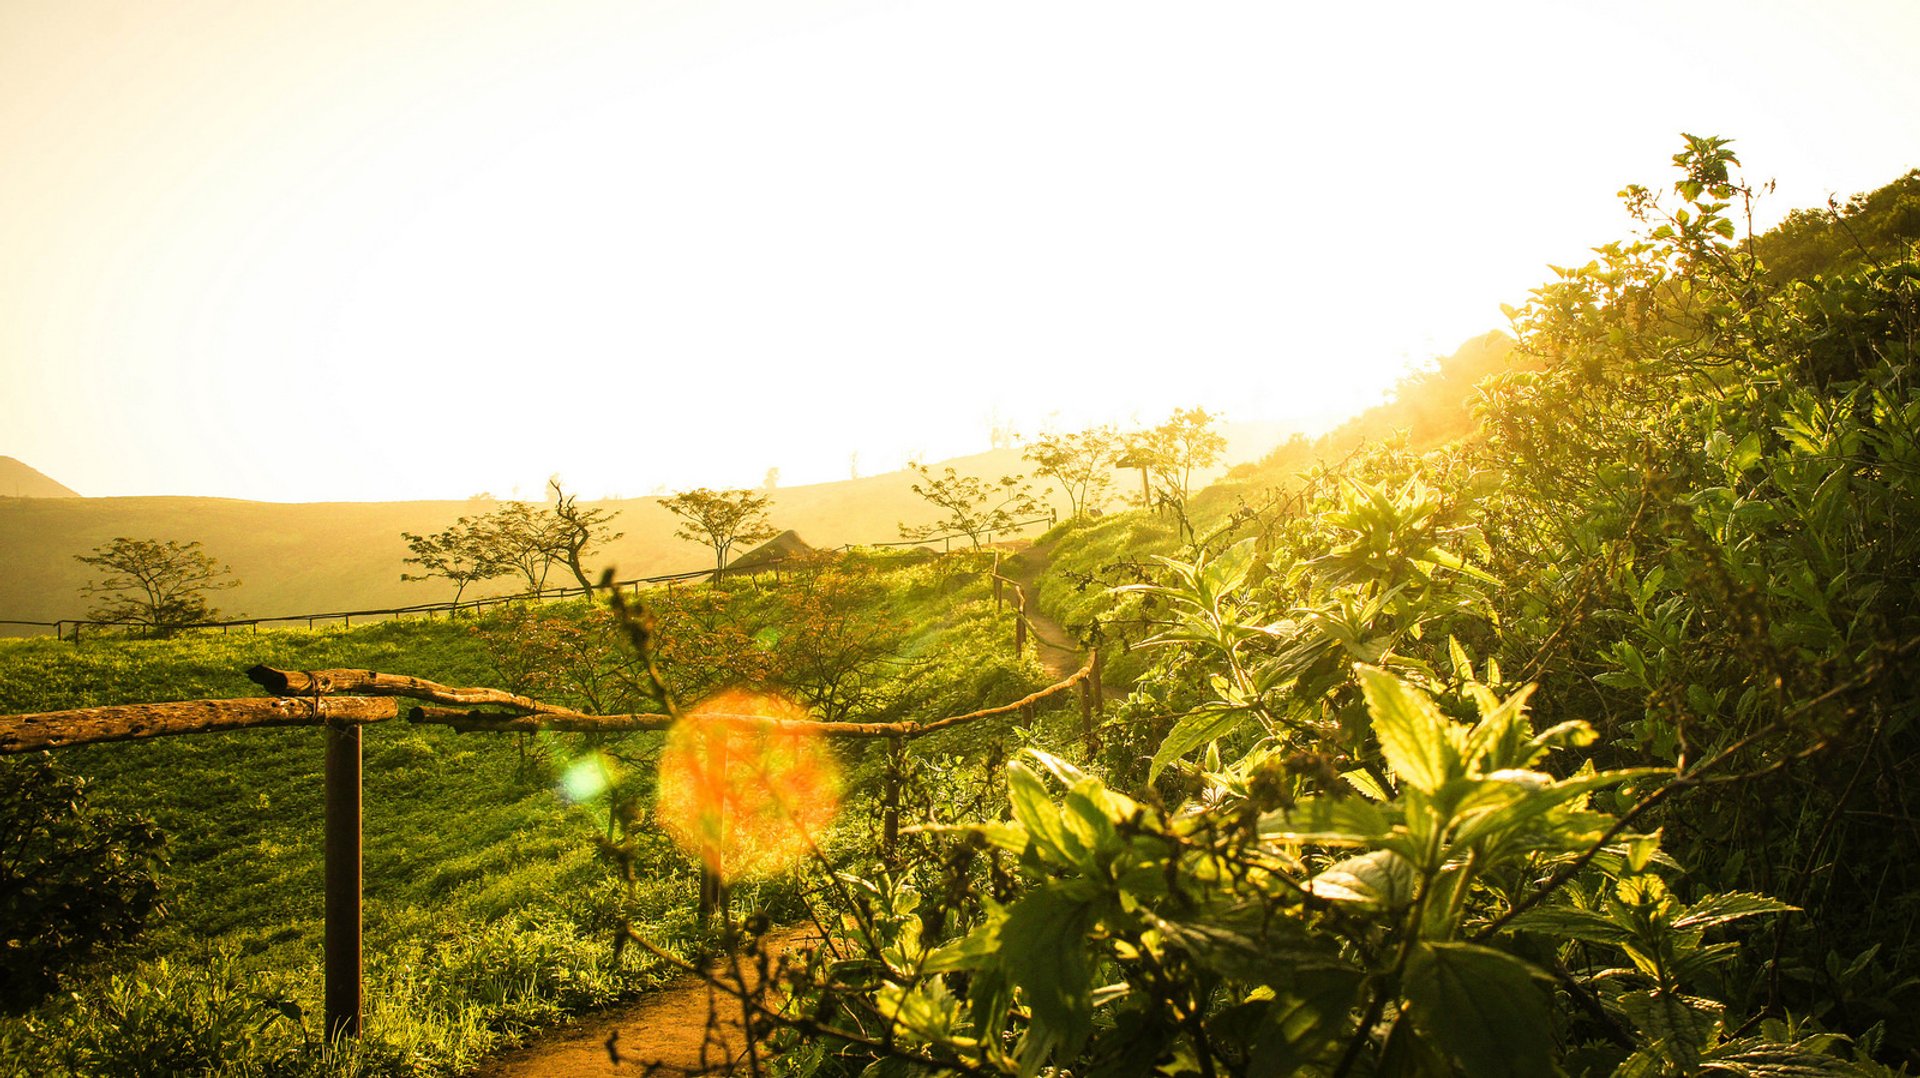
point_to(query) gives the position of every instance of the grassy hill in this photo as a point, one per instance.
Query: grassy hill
(18, 480)
(330, 556)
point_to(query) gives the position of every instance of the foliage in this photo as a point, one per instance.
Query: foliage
(73, 878)
(1689, 520)
(720, 519)
(974, 507)
(1173, 450)
(161, 584)
(514, 538)
(1082, 463)
(461, 554)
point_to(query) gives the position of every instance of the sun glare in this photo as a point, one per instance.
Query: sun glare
(744, 785)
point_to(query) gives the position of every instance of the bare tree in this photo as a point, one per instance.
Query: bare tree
(578, 530)
(721, 518)
(158, 583)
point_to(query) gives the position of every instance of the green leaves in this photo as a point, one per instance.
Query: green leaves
(1481, 1008)
(1421, 745)
(1042, 949)
(1719, 909)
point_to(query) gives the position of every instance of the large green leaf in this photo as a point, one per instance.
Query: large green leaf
(1719, 909)
(1305, 1023)
(1570, 923)
(1681, 1025)
(1414, 737)
(1044, 949)
(1035, 810)
(1250, 947)
(1481, 1007)
(1754, 1057)
(1381, 878)
(1329, 821)
(1195, 729)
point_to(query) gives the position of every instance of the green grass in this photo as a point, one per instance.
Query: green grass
(487, 909)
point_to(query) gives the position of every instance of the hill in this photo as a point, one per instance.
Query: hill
(331, 556)
(20, 480)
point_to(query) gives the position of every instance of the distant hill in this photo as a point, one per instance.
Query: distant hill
(18, 480)
(318, 557)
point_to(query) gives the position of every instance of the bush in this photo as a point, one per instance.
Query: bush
(73, 879)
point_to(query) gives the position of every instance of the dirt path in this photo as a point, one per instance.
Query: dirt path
(685, 1027)
(1059, 654)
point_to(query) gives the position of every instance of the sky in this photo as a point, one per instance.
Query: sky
(372, 250)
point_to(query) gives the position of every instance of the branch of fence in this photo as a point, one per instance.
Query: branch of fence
(374, 683)
(308, 704)
(130, 722)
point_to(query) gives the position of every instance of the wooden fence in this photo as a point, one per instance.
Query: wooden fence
(70, 628)
(343, 701)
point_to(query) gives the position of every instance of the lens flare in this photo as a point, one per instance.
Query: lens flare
(586, 779)
(745, 784)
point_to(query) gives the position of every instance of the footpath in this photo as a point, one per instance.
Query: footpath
(687, 1027)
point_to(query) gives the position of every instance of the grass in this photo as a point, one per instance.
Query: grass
(487, 909)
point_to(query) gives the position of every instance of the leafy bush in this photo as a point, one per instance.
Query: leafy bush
(74, 878)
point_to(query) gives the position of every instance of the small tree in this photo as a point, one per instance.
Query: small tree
(158, 583)
(1175, 449)
(462, 554)
(1081, 463)
(578, 530)
(721, 518)
(520, 538)
(974, 506)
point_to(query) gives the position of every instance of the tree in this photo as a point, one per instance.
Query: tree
(577, 530)
(721, 518)
(1175, 449)
(975, 507)
(527, 541)
(462, 554)
(73, 878)
(157, 583)
(1081, 463)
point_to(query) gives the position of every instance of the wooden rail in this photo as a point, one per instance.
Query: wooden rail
(305, 698)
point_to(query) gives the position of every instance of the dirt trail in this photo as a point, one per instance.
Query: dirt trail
(685, 1027)
(1058, 653)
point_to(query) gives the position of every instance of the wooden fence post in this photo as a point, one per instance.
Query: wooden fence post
(890, 817)
(343, 959)
(1094, 675)
(1088, 731)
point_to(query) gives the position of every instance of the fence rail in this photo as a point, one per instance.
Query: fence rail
(303, 699)
(65, 628)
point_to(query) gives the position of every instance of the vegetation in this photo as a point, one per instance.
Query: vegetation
(1565, 732)
(1082, 463)
(161, 584)
(721, 519)
(972, 506)
(73, 879)
(515, 538)
(1573, 745)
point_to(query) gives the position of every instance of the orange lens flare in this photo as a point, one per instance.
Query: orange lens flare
(746, 784)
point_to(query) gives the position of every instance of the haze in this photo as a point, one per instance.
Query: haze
(361, 250)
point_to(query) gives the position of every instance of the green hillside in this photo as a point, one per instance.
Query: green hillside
(336, 556)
